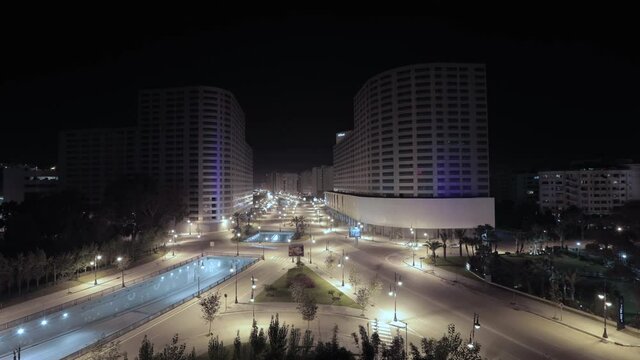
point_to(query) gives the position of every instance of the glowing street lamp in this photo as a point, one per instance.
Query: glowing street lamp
(95, 265)
(393, 291)
(342, 264)
(313, 241)
(189, 221)
(472, 335)
(605, 305)
(119, 259)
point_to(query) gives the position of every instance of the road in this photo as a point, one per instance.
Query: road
(428, 302)
(76, 327)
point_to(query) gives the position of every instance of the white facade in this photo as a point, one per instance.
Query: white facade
(595, 191)
(419, 213)
(193, 140)
(419, 131)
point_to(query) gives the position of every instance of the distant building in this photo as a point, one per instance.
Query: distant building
(23, 182)
(283, 182)
(90, 159)
(321, 180)
(191, 139)
(418, 154)
(526, 188)
(306, 183)
(597, 191)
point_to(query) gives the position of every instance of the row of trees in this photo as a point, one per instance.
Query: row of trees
(57, 236)
(286, 342)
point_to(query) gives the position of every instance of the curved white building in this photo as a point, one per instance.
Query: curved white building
(420, 131)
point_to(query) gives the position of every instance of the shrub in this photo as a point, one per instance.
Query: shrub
(302, 279)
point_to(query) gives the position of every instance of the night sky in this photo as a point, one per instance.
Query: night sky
(562, 85)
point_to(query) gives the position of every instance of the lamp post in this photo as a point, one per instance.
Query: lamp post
(119, 259)
(189, 222)
(476, 326)
(313, 241)
(235, 265)
(253, 287)
(393, 291)
(578, 247)
(95, 266)
(238, 244)
(605, 304)
(342, 264)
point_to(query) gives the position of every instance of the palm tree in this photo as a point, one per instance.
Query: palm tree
(444, 236)
(433, 245)
(459, 234)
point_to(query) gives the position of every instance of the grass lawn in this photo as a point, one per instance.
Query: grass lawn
(319, 292)
(454, 264)
(562, 263)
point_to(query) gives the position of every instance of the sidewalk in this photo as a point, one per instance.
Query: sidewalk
(38, 304)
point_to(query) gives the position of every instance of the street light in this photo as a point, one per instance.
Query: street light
(342, 264)
(605, 304)
(253, 287)
(235, 265)
(313, 241)
(578, 244)
(238, 244)
(95, 266)
(476, 326)
(119, 259)
(189, 221)
(393, 291)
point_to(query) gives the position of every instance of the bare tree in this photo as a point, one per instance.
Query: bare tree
(210, 306)
(308, 309)
(363, 295)
(354, 277)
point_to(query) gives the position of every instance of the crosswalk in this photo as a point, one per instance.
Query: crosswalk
(383, 329)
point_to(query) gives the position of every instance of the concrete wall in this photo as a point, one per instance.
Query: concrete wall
(420, 213)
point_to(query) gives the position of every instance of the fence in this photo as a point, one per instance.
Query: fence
(121, 332)
(89, 297)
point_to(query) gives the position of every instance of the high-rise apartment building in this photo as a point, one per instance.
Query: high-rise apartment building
(190, 139)
(595, 191)
(420, 131)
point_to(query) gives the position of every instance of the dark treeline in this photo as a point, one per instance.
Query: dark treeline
(58, 235)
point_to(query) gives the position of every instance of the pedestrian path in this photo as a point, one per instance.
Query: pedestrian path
(383, 329)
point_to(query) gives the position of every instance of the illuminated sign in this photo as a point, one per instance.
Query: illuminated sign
(354, 232)
(296, 250)
(341, 134)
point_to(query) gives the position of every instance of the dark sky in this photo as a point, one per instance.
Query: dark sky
(563, 85)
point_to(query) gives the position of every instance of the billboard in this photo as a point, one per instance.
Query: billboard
(296, 250)
(354, 232)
